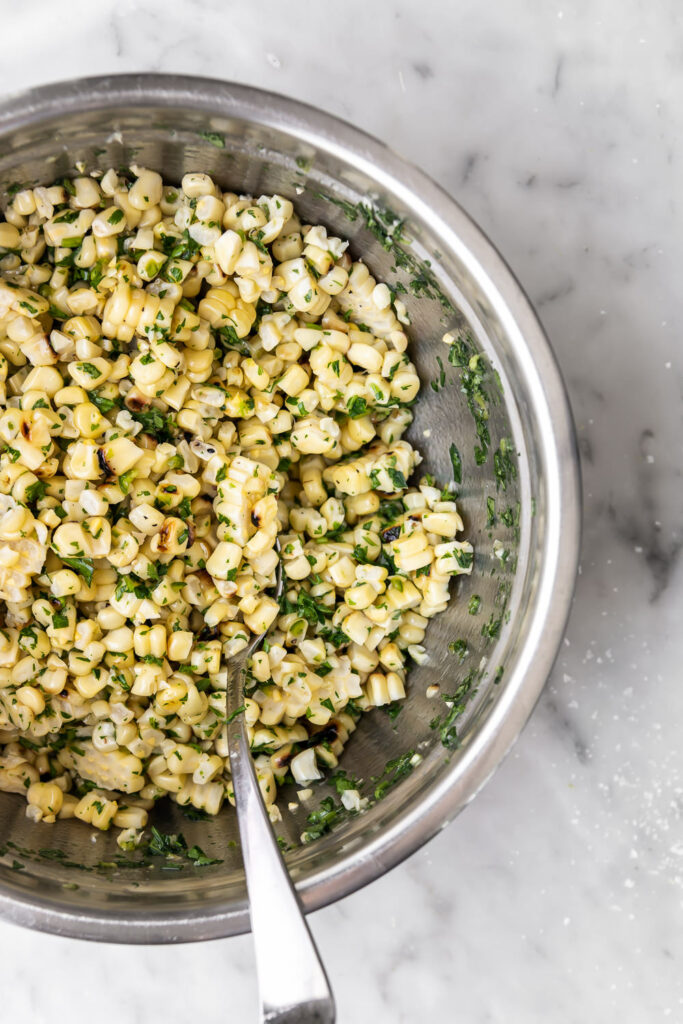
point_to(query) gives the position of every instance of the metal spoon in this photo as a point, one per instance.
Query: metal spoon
(293, 985)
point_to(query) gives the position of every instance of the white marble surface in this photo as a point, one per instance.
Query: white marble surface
(557, 896)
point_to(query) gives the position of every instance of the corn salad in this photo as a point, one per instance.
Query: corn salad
(188, 377)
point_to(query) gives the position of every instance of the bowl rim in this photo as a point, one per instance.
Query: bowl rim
(548, 396)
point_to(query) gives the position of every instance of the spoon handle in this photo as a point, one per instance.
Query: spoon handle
(293, 986)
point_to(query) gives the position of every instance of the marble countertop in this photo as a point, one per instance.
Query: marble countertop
(556, 897)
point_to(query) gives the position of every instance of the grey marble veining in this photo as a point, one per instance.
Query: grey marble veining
(557, 896)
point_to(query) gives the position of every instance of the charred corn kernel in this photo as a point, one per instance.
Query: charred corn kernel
(172, 537)
(119, 456)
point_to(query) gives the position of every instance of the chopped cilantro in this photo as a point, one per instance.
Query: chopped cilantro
(397, 478)
(321, 821)
(456, 463)
(460, 648)
(456, 704)
(34, 492)
(83, 566)
(341, 781)
(491, 511)
(200, 859)
(394, 709)
(357, 407)
(126, 479)
(227, 339)
(214, 138)
(155, 423)
(395, 770)
(104, 405)
(88, 368)
(183, 510)
(503, 464)
(310, 609)
(335, 637)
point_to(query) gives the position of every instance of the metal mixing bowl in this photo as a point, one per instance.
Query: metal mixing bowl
(55, 877)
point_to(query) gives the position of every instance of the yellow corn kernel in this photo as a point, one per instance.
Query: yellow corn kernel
(95, 809)
(179, 645)
(47, 797)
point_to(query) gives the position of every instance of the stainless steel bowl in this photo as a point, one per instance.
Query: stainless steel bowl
(55, 877)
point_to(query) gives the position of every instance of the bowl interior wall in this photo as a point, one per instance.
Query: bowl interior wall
(258, 158)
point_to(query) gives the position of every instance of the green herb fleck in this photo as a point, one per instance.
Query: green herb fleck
(395, 770)
(34, 492)
(83, 566)
(214, 138)
(456, 463)
(455, 704)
